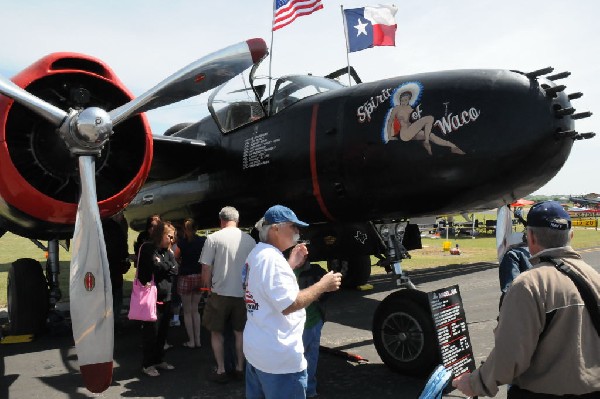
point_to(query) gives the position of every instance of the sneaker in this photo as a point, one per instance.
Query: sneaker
(164, 366)
(167, 346)
(150, 371)
(219, 378)
(174, 323)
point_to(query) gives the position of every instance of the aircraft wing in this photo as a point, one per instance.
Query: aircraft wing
(175, 156)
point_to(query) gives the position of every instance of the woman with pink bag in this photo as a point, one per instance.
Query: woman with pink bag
(158, 262)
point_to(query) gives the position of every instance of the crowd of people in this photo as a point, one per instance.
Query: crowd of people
(256, 293)
(265, 308)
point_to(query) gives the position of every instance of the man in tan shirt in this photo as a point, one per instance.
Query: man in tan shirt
(546, 345)
(223, 258)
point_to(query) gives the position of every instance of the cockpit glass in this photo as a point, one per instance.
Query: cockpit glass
(236, 103)
(291, 89)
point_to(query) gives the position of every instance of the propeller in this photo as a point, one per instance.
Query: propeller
(503, 231)
(85, 132)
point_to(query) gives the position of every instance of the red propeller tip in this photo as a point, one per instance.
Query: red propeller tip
(258, 49)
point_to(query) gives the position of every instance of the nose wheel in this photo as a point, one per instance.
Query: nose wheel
(404, 335)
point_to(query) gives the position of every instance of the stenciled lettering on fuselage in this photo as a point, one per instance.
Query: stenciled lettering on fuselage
(257, 150)
(405, 120)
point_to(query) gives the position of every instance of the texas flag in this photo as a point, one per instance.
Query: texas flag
(370, 26)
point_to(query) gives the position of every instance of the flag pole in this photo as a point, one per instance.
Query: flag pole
(270, 62)
(271, 58)
(347, 48)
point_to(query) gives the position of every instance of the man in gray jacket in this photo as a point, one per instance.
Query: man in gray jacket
(546, 344)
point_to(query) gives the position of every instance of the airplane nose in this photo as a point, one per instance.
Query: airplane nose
(561, 111)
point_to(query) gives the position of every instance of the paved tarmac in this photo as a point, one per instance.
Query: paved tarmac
(47, 367)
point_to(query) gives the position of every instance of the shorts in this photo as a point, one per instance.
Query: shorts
(189, 284)
(220, 308)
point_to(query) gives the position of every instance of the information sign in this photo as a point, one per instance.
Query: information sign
(452, 331)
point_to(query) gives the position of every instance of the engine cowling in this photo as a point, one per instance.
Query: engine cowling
(39, 179)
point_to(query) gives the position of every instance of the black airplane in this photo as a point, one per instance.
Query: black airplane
(592, 203)
(356, 162)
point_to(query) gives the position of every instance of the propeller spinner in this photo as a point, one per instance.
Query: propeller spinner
(85, 132)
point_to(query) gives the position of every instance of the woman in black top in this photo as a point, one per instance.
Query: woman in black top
(157, 259)
(144, 236)
(189, 281)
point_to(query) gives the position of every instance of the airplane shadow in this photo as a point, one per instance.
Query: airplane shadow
(28, 356)
(47, 358)
(51, 358)
(354, 308)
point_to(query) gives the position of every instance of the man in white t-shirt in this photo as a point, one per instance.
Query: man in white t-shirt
(222, 258)
(275, 364)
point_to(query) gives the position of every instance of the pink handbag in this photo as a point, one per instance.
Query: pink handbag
(143, 299)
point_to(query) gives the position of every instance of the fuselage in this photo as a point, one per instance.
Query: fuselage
(425, 144)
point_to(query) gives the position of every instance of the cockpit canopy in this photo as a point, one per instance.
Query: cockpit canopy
(232, 108)
(291, 89)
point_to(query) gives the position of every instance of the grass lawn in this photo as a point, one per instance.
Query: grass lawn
(480, 249)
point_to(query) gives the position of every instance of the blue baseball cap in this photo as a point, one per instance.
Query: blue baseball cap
(282, 214)
(549, 214)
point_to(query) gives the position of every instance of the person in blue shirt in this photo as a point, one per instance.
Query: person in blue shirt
(514, 262)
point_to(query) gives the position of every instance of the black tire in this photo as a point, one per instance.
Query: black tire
(357, 272)
(404, 334)
(28, 300)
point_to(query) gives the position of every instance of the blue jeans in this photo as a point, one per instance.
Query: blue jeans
(261, 385)
(311, 338)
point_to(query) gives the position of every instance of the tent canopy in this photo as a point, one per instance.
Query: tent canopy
(522, 202)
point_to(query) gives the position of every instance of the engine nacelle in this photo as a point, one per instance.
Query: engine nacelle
(39, 179)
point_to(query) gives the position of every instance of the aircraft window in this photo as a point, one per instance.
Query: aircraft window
(291, 89)
(234, 104)
(233, 115)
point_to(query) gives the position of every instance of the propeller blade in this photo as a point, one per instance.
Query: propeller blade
(198, 77)
(53, 114)
(90, 288)
(503, 231)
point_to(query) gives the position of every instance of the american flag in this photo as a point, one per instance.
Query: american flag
(286, 11)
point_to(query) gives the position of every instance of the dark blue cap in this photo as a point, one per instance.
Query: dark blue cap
(549, 214)
(282, 214)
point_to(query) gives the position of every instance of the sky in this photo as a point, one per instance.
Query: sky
(145, 41)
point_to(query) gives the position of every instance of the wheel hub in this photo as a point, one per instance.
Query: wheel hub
(403, 336)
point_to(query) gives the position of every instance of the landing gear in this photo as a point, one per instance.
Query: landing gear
(403, 330)
(404, 335)
(27, 297)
